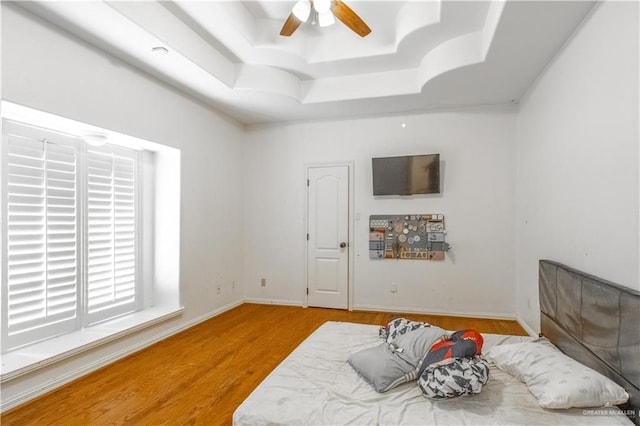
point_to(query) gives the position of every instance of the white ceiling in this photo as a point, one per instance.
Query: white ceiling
(421, 55)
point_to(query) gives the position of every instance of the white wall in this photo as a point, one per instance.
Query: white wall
(578, 181)
(477, 150)
(573, 147)
(47, 69)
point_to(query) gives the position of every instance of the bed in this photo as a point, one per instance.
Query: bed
(593, 321)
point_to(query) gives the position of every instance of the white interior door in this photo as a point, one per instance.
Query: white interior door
(328, 236)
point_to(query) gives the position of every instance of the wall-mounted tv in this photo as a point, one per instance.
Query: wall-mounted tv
(406, 175)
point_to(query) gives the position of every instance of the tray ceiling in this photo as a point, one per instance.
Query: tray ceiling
(421, 55)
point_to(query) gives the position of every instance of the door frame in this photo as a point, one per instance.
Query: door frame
(350, 224)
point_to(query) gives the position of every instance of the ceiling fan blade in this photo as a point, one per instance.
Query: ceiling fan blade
(290, 25)
(348, 17)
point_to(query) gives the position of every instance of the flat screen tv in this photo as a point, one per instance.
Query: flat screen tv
(406, 175)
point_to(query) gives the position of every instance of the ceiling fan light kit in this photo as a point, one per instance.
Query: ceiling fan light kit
(302, 9)
(325, 11)
(322, 6)
(326, 18)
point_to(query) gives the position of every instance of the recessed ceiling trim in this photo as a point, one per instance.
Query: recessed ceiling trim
(421, 59)
(269, 80)
(491, 24)
(192, 62)
(456, 53)
(157, 21)
(416, 15)
(361, 86)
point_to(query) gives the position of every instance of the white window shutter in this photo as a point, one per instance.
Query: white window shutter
(112, 285)
(42, 234)
(70, 246)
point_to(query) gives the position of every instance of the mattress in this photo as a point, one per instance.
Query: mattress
(315, 385)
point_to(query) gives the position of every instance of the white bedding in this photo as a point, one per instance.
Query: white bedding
(315, 385)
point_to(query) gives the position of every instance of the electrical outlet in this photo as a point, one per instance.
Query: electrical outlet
(394, 287)
(218, 290)
(233, 284)
(263, 282)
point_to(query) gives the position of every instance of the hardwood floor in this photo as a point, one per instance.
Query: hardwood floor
(202, 374)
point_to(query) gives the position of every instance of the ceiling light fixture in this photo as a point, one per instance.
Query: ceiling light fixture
(95, 139)
(325, 18)
(322, 6)
(324, 13)
(302, 10)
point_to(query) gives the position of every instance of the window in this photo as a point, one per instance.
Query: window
(79, 218)
(70, 245)
(111, 244)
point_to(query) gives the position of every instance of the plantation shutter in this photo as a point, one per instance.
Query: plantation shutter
(111, 224)
(40, 273)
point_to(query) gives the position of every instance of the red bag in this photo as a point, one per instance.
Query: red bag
(462, 344)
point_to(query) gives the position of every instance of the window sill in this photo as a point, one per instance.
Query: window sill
(29, 358)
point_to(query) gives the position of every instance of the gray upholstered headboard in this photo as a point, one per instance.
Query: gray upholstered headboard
(593, 321)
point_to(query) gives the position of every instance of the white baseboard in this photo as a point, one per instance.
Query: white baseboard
(43, 388)
(262, 301)
(403, 309)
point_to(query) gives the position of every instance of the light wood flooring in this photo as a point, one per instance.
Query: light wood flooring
(200, 376)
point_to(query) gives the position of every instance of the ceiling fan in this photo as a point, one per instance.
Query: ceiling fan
(325, 11)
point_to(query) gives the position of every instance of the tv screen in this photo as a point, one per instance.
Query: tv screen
(407, 175)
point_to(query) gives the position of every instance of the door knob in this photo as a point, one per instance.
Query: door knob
(343, 245)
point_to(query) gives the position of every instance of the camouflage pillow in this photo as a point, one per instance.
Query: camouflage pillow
(398, 327)
(454, 377)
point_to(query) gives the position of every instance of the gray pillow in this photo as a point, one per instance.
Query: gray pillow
(417, 343)
(380, 366)
(391, 364)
